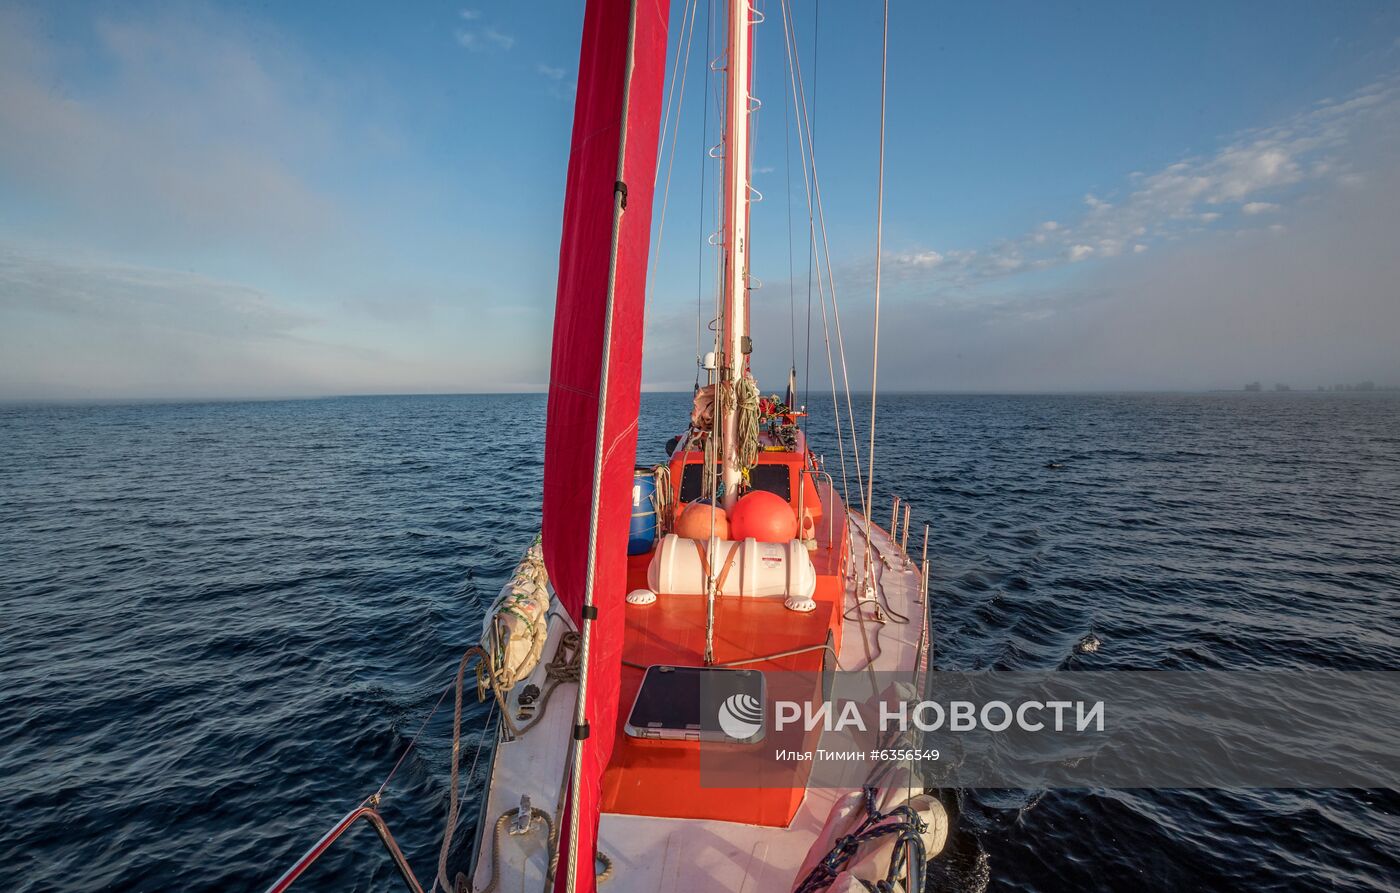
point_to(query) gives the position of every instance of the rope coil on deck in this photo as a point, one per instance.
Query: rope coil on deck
(537, 815)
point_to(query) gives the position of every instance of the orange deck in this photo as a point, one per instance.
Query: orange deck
(662, 778)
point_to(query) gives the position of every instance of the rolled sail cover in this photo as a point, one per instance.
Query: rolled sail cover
(575, 385)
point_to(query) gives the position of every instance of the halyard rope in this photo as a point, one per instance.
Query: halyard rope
(563, 667)
(452, 802)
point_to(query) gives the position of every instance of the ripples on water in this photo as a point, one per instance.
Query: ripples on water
(224, 621)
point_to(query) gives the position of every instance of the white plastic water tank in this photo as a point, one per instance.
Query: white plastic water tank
(763, 570)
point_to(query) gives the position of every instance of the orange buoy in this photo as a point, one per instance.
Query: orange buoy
(764, 516)
(695, 522)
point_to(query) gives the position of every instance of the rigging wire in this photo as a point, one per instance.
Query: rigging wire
(704, 167)
(580, 715)
(807, 373)
(790, 46)
(805, 145)
(716, 153)
(879, 240)
(831, 284)
(412, 742)
(792, 285)
(684, 68)
(671, 94)
(719, 154)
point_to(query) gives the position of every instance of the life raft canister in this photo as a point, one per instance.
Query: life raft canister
(739, 568)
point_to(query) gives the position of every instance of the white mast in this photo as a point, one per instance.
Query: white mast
(734, 333)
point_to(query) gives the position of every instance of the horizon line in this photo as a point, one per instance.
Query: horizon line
(905, 392)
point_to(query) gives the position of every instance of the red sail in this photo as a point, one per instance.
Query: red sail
(576, 368)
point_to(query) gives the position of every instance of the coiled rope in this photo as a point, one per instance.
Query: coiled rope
(607, 872)
(746, 423)
(536, 815)
(664, 499)
(907, 828)
(565, 666)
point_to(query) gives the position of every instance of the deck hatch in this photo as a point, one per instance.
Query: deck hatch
(700, 704)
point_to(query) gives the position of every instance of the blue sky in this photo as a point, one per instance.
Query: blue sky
(207, 200)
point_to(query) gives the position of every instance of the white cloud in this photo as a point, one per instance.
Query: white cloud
(925, 260)
(488, 37)
(561, 86)
(1313, 304)
(1257, 170)
(1248, 169)
(500, 38)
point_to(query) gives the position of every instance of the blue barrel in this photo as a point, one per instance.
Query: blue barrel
(642, 536)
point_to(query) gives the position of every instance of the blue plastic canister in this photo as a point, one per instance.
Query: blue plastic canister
(642, 536)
